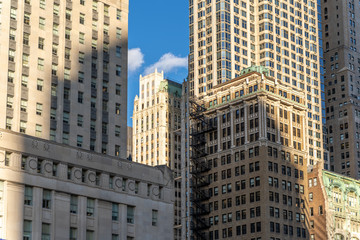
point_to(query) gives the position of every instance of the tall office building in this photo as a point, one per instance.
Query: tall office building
(156, 127)
(63, 103)
(283, 36)
(342, 85)
(64, 71)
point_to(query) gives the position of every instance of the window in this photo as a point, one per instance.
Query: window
(56, 9)
(80, 97)
(79, 140)
(90, 207)
(11, 76)
(130, 214)
(73, 204)
(39, 108)
(40, 84)
(25, 60)
(89, 235)
(115, 212)
(106, 10)
(117, 131)
(8, 123)
(118, 14)
(67, 33)
(42, 4)
(117, 150)
(46, 202)
(40, 64)
(73, 233)
(26, 39)
(38, 130)
(10, 101)
(42, 23)
(23, 105)
(28, 197)
(45, 231)
(118, 51)
(118, 89)
(118, 33)
(80, 120)
(27, 230)
(13, 13)
(117, 108)
(81, 57)
(22, 126)
(118, 70)
(81, 38)
(11, 55)
(82, 18)
(41, 43)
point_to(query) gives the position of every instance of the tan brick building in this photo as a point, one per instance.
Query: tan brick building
(156, 127)
(248, 160)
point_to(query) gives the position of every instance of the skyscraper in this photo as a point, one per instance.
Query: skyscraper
(156, 124)
(64, 72)
(342, 85)
(228, 36)
(63, 103)
(227, 40)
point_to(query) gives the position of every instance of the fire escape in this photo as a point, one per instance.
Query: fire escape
(200, 125)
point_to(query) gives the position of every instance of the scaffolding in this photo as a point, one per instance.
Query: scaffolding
(199, 126)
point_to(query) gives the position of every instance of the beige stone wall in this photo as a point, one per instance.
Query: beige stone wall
(86, 175)
(64, 52)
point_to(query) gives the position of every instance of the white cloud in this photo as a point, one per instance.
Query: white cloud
(135, 59)
(166, 63)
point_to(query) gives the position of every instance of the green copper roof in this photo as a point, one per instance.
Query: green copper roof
(259, 69)
(170, 87)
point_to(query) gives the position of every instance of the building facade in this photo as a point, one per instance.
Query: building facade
(333, 206)
(64, 71)
(342, 85)
(54, 191)
(227, 37)
(248, 147)
(156, 127)
(129, 142)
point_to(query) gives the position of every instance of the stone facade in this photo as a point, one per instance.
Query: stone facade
(54, 191)
(333, 206)
(156, 129)
(342, 85)
(64, 71)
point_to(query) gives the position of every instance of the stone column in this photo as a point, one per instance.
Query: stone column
(14, 214)
(291, 128)
(219, 116)
(232, 126)
(246, 122)
(61, 226)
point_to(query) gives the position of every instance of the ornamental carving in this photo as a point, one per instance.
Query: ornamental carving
(91, 177)
(32, 164)
(77, 174)
(48, 167)
(35, 143)
(131, 186)
(156, 191)
(118, 183)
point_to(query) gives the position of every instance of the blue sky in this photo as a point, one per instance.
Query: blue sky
(158, 37)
